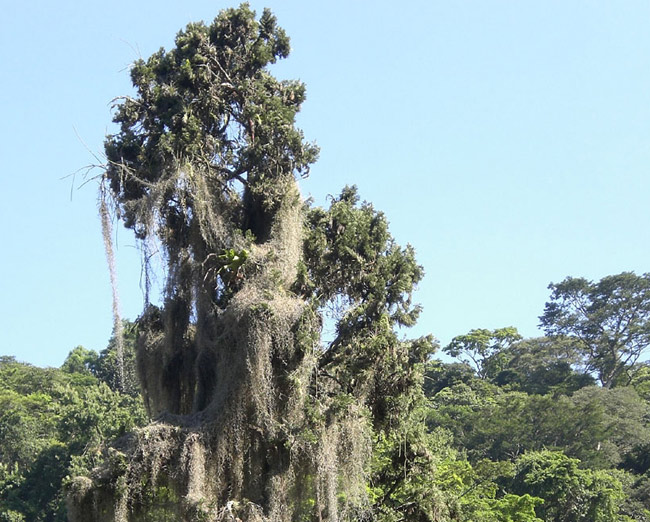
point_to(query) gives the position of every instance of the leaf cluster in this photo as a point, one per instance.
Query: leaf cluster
(362, 282)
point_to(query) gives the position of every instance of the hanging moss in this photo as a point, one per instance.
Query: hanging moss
(254, 419)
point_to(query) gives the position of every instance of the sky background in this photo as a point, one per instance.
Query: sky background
(508, 142)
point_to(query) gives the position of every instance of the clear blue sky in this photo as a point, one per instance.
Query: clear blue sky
(509, 142)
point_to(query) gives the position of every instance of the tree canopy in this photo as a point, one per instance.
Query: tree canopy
(610, 319)
(483, 349)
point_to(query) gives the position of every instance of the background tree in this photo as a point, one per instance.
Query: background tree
(119, 374)
(483, 348)
(52, 420)
(610, 319)
(570, 494)
(542, 365)
(81, 361)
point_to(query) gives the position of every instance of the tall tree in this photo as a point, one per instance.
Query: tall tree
(257, 419)
(610, 319)
(481, 348)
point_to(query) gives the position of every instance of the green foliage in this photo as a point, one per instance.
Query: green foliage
(567, 445)
(598, 426)
(610, 319)
(483, 349)
(608, 424)
(641, 380)
(355, 273)
(105, 365)
(403, 471)
(11, 516)
(570, 494)
(353, 265)
(541, 366)
(536, 366)
(81, 361)
(477, 494)
(516, 508)
(637, 493)
(48, 418)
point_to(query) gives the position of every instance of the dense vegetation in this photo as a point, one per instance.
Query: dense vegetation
(55, 422)
(251, 415)
(523, 433)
